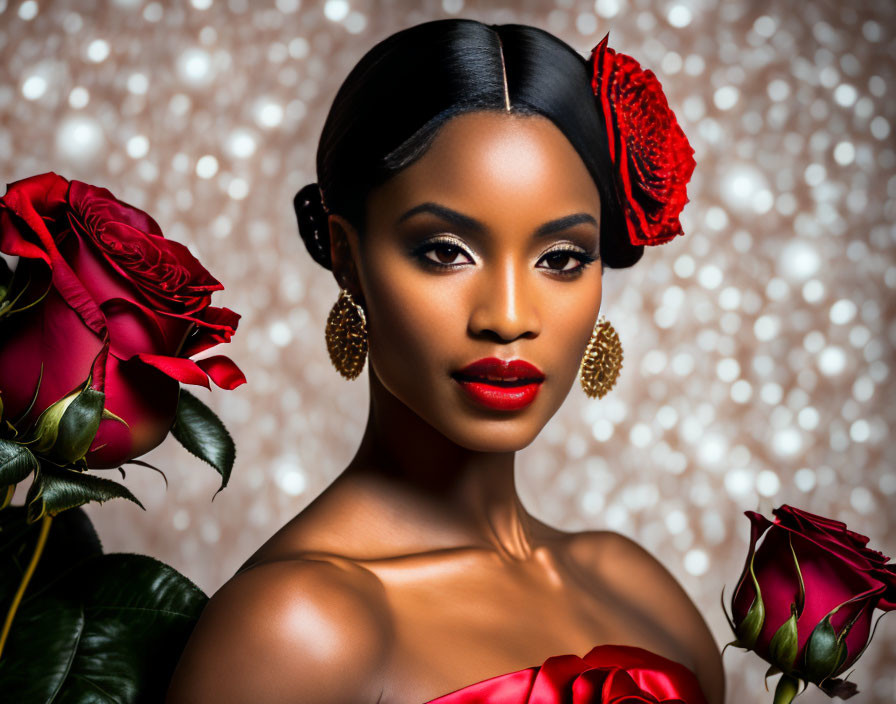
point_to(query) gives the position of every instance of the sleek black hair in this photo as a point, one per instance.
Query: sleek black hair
(391, 106)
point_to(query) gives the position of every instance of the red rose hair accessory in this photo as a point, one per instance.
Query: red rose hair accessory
(652, 157)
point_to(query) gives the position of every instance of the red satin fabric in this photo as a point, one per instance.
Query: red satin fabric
(608, 674)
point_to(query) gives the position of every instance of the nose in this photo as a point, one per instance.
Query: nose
(505, 307)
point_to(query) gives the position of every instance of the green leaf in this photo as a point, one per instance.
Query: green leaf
(42, 643)
(79, 424)
(71, 540)
(748, 630)
(34, 502)
(134, 606)
(6, 496)
(16, 462)
(203, 434)
(783, 646)
(62, 489)
(92, 628)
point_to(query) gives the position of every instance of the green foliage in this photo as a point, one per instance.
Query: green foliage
(783, 647)
(787, 689)
(56, 489)
(79, 424)
(93, 627)
(202, 433)
(64, 431)
(16, 462)
(749, 629)
(825, 652)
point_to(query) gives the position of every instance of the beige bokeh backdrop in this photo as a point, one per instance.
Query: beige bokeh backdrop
(758, 348)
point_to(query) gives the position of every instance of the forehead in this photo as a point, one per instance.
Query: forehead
(494, 163)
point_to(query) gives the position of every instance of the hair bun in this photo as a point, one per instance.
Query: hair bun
(313, 227)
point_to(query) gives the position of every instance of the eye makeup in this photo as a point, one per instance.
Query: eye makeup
(453, 247)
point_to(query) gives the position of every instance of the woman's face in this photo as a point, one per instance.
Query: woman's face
(487, 246)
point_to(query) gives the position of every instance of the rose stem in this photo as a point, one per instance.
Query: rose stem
(38, 549)
(786, 690)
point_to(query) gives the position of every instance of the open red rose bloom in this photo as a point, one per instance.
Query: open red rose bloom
(652, 156)
(124, 306)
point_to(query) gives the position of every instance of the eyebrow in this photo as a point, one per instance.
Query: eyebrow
(466, 222)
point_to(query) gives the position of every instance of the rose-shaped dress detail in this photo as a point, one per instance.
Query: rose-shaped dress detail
(124, 306)
(652, 157)
(817, 581)
(608, 674)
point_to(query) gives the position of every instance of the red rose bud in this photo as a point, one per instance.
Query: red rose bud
(101, 296)
(652, 157)
(805, 598)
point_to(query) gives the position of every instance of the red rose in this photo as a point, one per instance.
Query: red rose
(652, 156)
(123, 305)
(819, 596)
(608, 674)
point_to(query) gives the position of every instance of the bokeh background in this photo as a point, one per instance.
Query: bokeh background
(759, 348)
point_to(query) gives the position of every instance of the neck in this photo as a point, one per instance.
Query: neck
(448, 490)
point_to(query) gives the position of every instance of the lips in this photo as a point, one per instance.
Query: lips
(498, 384)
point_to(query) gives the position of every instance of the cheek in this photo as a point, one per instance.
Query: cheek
(413, 317)
(566, 333)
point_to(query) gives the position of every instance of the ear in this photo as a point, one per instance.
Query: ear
(345, 250)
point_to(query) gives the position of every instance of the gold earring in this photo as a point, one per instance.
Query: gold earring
(602, 361)
(346, 335)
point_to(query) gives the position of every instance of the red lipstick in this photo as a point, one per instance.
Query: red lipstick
(502, 385)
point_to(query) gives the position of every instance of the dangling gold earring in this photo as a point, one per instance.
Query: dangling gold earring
(602, 361)
(346, 335)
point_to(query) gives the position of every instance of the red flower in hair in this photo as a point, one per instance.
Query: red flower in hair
(652, 156)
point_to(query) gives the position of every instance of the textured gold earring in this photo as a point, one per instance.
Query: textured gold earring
(346, 335)
(602, 361)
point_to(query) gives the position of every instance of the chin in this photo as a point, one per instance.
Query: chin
(498, 437)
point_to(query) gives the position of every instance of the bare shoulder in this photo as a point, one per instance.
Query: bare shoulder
(313, 630)
(625, 566)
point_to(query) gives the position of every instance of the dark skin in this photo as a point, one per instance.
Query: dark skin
(419, 571)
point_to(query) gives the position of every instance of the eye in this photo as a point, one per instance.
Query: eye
(443, 254)
(567, 262)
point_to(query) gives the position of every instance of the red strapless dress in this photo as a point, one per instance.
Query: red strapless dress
(608, 674)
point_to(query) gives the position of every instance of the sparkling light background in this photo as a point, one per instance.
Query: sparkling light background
(759, 348)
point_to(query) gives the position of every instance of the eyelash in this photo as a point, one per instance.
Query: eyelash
(584, 259)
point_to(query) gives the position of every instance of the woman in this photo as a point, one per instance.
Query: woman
(468, 201)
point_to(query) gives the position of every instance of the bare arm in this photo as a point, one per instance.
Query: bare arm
(282, 632)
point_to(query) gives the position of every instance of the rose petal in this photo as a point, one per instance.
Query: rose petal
(146, 399)
(215, 326)
(222, 371)
(183, 370)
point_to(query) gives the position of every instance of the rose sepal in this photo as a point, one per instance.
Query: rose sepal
(748, 630)
(783, 645)
(825, 651)
(43, 436)
(66, 429)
